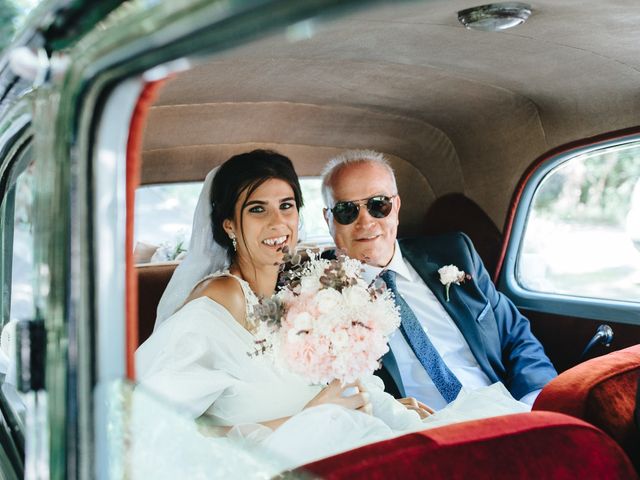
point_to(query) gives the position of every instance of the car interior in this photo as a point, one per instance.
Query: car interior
(476, 121)
(464, 116)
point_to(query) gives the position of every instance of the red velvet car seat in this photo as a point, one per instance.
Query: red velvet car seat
(601, 391)
(523, 446)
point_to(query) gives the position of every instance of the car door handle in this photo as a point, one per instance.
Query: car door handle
(603, 335)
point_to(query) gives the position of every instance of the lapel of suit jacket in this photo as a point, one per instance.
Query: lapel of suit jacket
(455, 307)
(390, 364)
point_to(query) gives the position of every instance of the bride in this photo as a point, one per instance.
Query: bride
(197, 357)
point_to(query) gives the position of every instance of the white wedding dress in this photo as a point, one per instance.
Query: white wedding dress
(198, 359)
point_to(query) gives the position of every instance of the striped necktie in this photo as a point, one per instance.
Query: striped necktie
(444, 379)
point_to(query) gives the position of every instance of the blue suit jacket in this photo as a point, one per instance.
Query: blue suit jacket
(499, 336)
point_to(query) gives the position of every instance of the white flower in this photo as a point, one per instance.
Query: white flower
(325, 325)
(340, 339)
(328, 300)
(309, 284)
(336, 328)
(356, 297)
(450, 274)
(302, 321)
(293, 336)
(352, 267)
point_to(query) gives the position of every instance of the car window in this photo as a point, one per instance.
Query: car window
(17, 304)
(313, 228)
(582, 234)
(22, 306)
(13, 14)
(164, 214)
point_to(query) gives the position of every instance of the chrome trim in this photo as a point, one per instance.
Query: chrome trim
(109, 224)
(16, 132)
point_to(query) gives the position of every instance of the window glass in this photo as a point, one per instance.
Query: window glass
(141, 447)
(16, 275)
(163, 217)
(164, 213)
(583, 230)
(313, 229)
(22, 263)
(12, 15)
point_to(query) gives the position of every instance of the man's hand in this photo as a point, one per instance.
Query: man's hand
(412, 404)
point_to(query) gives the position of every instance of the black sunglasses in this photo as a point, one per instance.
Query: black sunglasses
(347, 212)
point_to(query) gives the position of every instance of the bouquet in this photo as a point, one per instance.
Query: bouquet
(326, 323)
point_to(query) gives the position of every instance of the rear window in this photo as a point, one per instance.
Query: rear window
(164, 213)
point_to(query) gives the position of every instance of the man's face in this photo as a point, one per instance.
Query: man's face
(368, 238)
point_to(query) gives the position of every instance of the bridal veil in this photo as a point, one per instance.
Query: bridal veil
(204, 257)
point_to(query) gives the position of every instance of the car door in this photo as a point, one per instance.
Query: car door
(96, 65)
(572, 261)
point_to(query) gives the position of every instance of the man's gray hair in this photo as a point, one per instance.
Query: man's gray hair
(343, 160)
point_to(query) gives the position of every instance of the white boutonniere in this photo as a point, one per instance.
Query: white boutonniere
(450, 274)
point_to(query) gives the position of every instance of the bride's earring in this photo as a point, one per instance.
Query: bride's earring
(234, 242)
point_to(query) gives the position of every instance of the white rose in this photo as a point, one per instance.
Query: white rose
(309, 284)
(356, 296)
(340, 339)
(450, 274)
(328, 300)
(302, 321)
(293, 337)
(386, 317)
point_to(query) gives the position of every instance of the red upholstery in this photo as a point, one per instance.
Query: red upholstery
(525, 446)
(134, 160)
(601, 391)
(152, 280)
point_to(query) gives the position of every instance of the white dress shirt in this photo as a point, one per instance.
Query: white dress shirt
(442, 331)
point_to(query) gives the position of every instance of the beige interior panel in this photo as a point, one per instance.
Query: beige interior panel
(458, 110)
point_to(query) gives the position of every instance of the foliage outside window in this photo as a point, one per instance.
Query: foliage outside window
(12, 15)
(583, 230)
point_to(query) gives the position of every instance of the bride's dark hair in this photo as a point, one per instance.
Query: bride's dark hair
(246, 171)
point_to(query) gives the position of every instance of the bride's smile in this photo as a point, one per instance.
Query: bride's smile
(277, 242)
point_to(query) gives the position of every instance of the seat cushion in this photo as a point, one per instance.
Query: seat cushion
(152, 280)
(601, 391)
(524, 446)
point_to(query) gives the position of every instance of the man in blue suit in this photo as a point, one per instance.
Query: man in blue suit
(466, 335)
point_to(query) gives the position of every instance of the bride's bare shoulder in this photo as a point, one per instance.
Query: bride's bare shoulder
(224, 290)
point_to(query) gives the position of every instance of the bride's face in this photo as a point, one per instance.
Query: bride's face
(265, 222)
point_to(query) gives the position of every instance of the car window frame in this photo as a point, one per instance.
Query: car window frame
(563, 304)
(23, 158)
(15, 156)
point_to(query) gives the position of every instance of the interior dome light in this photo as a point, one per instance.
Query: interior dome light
(495, 17)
